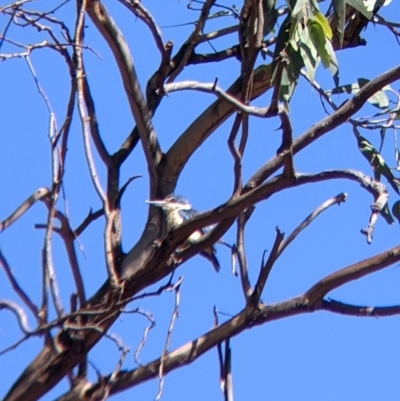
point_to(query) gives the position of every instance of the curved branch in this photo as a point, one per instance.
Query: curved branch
(329, 123)
(18, 312)
(39, 194)
(353, 272)
(109, 30)
(331, 305)
(68, 236)
(336, 200)
(216, 90)
(52, 367)
(193, 39)
(83, 108)
(92, 216)
(252, 315)
(16, 287)
(233, 207)
(215, 115)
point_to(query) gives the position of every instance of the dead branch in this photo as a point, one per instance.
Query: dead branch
(249, 317)
(39, 194)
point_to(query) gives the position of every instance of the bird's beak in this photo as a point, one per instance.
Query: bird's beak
(156, 202)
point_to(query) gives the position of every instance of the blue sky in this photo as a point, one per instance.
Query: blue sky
(316, 356)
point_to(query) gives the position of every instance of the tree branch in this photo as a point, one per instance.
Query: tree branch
(109, 30)
(331, 305)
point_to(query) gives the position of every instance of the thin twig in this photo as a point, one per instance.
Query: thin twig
(193, 39)
(176, 288)
(342, 308)
(68, 237)
(16, 287)
(336, 200)
(263, 112)
(146, 331)
(85, 119)
(266, 268)
(92, 216)
(244, 275)
(18, 312)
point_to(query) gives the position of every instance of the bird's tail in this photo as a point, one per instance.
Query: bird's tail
(209, 254)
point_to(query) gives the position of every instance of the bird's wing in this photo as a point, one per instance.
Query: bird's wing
(187, 214)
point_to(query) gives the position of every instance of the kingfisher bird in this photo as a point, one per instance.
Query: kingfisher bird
(177, 210)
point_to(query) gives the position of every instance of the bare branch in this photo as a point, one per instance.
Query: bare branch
(18, 312)
(118, 46)
(92, 216)
(174, 316)
(68, 237)
(329, 123)
(193, 39)
(246, 319)
(145, 333)
(123, 188)
(139, 11)
(212, 88)
(219, 352)
(16, 287)
(353, 272)
(14, 345)
(39, 194)
(124, 351)
(228, 387)
(237, 157)
(85, 118)
(252, 316)
(287, 142)
(94, 127)
(331, 305)
(231, 209)
(217, 34)
(337, 200)
(244, 276)
(267, 267)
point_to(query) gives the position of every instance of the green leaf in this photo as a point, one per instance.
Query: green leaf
(290, 76)
(396, 210)
(339, 7)
(281, 44)
(377, 162)
(315, 4)
(309, 54)
(295, 34)
(360, 6)
(320, 18)
(372, 5)
(351, 89)
(385, 213)
(270, 16)
(287, 87)
(299, 5)
(334, 65)
(397, 152)
(378, 99)
(382, 134)
(309, 61)
(317, 36)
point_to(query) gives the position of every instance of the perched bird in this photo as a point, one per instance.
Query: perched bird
(177, 210)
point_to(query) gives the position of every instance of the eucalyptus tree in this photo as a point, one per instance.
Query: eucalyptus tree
(277, 47)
